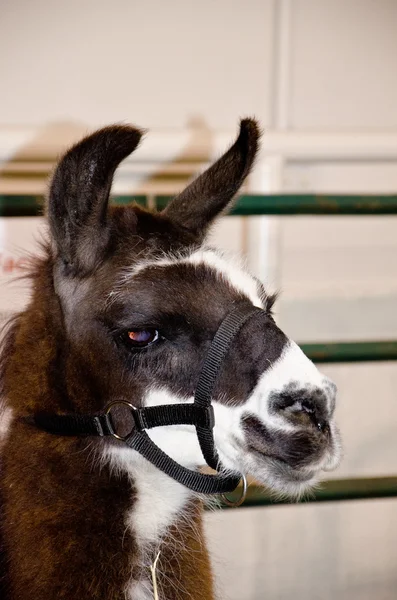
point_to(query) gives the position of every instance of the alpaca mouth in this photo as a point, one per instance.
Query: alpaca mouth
(301, 447)
(288, 461)
(280, 476)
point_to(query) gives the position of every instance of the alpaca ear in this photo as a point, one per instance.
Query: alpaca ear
(79, 195)
(198, 205)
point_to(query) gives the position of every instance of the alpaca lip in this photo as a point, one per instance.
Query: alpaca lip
(296, 450)
(294, 473)
(297, 474)
(263, 454)
(282, 470)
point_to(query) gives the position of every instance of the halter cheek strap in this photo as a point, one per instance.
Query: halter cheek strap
(200, 413)
(217, 352)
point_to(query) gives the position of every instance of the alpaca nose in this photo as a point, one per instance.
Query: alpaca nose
(302, 405)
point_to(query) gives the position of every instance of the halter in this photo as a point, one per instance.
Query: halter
(200, 413)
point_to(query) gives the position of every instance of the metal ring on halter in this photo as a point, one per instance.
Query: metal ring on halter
(108, 413)
(242, 497)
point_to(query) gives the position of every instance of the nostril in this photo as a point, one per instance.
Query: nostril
(301, 406)
(308, 407)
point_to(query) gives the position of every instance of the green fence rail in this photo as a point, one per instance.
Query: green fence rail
(334, 490)
(308, 204)
(333, 352)
(246, 205)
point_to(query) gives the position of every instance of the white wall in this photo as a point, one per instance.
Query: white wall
(342, 69)
(162, 63)
(312, 552)
(157, 63)
(321, 75)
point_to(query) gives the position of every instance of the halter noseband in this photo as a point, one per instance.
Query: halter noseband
(200, 413)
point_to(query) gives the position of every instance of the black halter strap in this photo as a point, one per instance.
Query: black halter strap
(200, 413)
(220, 346)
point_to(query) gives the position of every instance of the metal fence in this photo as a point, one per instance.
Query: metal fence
(332, 352)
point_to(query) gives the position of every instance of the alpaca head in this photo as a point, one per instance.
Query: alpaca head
(142, 295)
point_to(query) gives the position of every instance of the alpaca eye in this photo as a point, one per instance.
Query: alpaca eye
(139, 338)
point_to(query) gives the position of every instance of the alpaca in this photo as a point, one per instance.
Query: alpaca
(130, 310)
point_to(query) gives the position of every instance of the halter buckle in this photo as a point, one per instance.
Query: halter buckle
(110, 421)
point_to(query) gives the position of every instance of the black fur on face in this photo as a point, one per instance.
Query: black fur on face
(185, 304)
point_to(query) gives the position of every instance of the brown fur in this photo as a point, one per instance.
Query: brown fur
(51, 537)
(187, 573)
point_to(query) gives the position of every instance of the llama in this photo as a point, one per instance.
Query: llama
(130, 311)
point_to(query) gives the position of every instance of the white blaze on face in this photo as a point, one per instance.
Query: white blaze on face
(292, 366)
(227, 269)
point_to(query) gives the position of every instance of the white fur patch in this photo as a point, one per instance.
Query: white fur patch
(178, 441)
(230, 271)
(292, 366)
(227, 269)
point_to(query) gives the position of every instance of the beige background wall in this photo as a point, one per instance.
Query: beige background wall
(162, 63)
(321, 75)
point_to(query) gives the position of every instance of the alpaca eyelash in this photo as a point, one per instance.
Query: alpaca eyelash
(268, 300)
